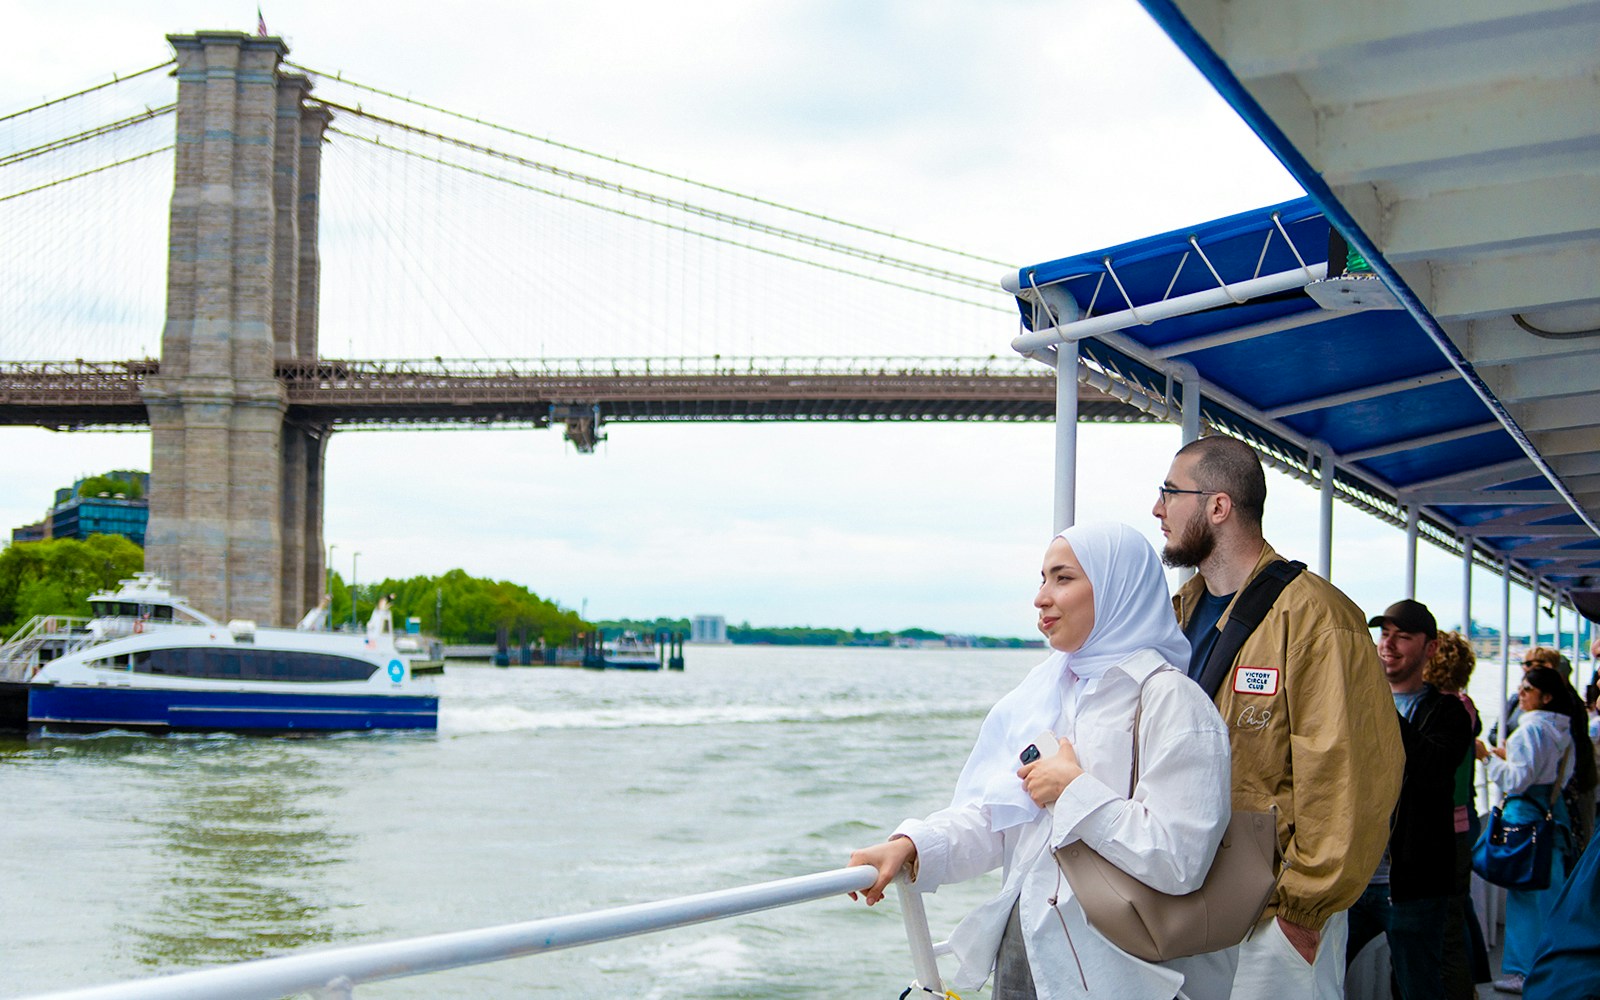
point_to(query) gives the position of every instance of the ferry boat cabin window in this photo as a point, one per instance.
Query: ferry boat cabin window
(125, 609)
(251, 665)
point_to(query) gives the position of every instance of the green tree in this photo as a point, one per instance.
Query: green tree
(96, 485)
(462, 608)
(56, 576)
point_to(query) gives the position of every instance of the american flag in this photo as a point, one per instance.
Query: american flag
(261, 24)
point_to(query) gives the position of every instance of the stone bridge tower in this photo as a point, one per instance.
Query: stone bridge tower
(236, 494)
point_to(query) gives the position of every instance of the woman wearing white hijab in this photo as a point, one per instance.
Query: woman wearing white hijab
(1104, 609)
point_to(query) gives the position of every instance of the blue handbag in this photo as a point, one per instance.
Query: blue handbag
(1516, 855)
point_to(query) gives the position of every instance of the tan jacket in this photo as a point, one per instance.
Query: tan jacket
(1314, 731)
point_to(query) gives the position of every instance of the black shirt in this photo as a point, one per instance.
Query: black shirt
(1202, 629)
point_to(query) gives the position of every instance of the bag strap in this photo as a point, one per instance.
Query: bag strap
(1248, 611)
(1138, 712)
(1549, 805)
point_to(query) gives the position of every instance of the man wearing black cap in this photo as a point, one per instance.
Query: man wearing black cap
(1408, 898)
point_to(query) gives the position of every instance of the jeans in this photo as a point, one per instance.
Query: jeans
(1415, 929)
(1526, 910)
(1013, 977)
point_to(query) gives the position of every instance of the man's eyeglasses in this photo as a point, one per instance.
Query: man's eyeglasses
(1166, 493)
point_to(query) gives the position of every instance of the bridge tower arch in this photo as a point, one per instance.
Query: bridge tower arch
(236, 497)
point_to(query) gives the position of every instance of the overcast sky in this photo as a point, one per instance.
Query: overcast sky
(1021, 131)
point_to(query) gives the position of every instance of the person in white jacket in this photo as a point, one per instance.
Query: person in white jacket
(1104, 608)
(1530, 770)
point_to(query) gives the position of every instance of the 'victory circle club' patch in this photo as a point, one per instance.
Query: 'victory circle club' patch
(1256, 680)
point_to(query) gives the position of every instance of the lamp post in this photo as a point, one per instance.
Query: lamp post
(329, 589)
(353, 557)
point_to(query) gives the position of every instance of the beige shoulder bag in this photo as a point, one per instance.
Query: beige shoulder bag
(1156, 926)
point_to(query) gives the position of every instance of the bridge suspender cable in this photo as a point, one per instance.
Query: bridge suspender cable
(94, 133)
(649, 170)
(690, 208)
(86, 173)
(663, 223)
(115, 79)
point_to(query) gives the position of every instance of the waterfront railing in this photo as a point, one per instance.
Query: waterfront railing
(334, 973)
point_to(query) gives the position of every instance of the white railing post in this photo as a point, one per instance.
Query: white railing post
(923, 963)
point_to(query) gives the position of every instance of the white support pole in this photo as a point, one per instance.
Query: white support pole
(1533, 629)
(1191, 400)
(1413, 518)
(1578, 631)
(1556, 634)
(1466, 586)
(923, 963)
(1505, 630)
(1066, 507)
(1505, 661)
(1325, 551)
(1191, 424)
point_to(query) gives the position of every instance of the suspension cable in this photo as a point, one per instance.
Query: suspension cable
(115, 79)
(54, 145)
(339, 77)
(710, 214)
(86, 173)
(660, 222)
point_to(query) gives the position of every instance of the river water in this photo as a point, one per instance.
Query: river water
(545, 791)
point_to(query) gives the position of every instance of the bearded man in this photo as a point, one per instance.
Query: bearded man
(1311, 722)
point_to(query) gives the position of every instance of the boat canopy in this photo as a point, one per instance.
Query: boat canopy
(1319, 373)
(1454, 146)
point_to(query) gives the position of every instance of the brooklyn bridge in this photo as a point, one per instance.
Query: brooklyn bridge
(243, 395)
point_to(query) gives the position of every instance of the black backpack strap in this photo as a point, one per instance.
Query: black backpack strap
(1248, 612)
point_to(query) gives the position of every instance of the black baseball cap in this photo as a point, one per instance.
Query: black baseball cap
(1408, 616)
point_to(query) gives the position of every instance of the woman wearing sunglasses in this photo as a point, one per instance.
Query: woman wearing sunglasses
(1530, 770)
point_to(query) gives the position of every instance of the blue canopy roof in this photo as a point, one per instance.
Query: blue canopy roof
(1293, 376)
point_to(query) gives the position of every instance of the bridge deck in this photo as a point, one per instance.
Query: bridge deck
(354, 394)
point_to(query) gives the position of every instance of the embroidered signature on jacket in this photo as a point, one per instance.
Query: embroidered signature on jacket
(1254, 719)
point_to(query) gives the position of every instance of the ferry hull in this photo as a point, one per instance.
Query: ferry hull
(68, 708)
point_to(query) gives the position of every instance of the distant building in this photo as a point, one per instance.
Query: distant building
(709, 629)
(106, 513)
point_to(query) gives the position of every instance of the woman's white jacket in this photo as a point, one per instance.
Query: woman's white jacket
(1539, 752)
(1165, 835)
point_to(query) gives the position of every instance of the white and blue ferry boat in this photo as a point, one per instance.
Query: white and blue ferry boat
(148, 661)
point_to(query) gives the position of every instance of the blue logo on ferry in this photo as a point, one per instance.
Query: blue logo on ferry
(397, 671)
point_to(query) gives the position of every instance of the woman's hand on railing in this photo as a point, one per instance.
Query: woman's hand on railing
(888, 858)
(1045, 779)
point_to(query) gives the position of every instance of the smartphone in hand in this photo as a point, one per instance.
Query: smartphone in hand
(1044, 745)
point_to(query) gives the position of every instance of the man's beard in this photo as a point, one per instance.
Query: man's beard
(1192, 545)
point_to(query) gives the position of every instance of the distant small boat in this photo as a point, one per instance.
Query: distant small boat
(629, 651)
(148, 661)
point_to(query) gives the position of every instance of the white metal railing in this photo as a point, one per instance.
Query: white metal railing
(333, 974)
(19, 657)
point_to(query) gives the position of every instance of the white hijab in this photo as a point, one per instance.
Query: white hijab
(1132, 612)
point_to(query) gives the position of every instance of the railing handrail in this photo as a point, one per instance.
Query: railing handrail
(48, 625)
(335, 972)
(121, 375)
